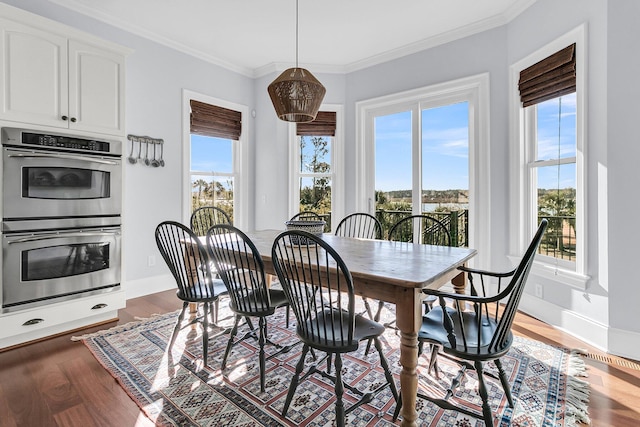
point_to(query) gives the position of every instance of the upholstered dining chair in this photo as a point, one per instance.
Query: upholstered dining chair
(319, 288)
(481, 334)
(188, 263)
(241, 268)
(207, 216)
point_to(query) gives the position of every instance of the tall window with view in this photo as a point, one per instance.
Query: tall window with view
(315, 174)
(215, 132)
(553, 174)
(212, 173)
(424, 172)
(549, 104)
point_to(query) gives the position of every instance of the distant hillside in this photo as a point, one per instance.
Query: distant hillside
(431, 196)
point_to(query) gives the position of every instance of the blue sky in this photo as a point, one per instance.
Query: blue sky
(445, 146)
(557, 138)
(445, 149)
(211, 154)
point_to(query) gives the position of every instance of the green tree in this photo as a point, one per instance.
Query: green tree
(559, 207)
(317, 197)
(200, 184)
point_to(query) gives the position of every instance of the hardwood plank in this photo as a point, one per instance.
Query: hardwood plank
(33, 377)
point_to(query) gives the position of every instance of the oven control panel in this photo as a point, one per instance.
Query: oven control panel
(35, 139)
(64, 142)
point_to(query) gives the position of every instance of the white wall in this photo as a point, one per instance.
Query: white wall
(621, 163)
(603, 314)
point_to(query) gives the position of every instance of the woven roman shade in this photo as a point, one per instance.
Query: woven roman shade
(211, 120)
(323, 125)
(550, 78)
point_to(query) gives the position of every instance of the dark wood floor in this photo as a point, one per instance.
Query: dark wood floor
(57, 382)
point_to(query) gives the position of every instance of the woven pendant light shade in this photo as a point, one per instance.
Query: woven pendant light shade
(296, 95)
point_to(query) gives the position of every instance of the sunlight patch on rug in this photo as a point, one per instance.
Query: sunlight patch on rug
(174, 388)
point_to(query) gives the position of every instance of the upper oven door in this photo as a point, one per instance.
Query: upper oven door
(41, 184)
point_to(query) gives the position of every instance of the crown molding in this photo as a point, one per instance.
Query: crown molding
(495, 21)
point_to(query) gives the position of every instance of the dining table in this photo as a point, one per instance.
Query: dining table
(396, 273)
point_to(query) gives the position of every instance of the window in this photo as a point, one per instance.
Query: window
(552, 174)
(438, 184)
(551, 180)
(418, 153)
(315, 172)
(215, 156)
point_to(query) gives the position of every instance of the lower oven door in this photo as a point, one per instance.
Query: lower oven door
(38, 267)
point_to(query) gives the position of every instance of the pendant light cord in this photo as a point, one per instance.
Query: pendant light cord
(296, 33)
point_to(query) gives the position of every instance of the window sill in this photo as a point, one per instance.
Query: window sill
(557, 274)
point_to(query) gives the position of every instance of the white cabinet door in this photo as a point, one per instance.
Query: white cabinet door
(51, 80)
(34, 75)
(96, 80)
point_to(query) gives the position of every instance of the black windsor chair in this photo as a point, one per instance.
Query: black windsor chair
(306, 216)
(187, 260)
(364, 226)
(202, 219)
(320, 290)
(472, 337)
(241, 268)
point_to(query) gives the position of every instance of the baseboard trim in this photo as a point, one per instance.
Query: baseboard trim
(609, 340)
(148, 285)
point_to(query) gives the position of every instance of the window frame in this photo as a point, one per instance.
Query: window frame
(240, 159)
(337, 167)
(475, 91)
(523, 192)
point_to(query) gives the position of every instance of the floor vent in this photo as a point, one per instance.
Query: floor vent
(614, 361)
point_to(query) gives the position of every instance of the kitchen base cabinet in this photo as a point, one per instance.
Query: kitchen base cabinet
(32, 324)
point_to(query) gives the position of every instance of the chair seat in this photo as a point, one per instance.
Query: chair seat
(325, 331)
(433, 331)
(216, 288)
(277, 297)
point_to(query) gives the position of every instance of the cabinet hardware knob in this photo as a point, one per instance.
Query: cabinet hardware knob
(32, 322)
(98, 306)
(64, 117)
(73, 119)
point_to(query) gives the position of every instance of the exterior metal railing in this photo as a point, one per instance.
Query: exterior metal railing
(559, 240)
(456, 221)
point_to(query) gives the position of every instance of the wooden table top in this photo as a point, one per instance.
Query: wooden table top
(400, 264)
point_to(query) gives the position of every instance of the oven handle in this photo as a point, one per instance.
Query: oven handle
(64, 235)
(63, 156)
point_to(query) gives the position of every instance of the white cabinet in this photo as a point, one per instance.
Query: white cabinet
(53, 80)
(36, 323)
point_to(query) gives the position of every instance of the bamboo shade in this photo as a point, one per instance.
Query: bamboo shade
(323, 125)
(550, 78)
(211, 120)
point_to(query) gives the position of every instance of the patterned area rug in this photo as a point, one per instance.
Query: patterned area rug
(176, 390)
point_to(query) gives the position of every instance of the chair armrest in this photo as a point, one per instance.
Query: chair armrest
(486, 273)
(463, 297)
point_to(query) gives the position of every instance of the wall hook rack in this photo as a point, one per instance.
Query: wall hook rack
(153, 155)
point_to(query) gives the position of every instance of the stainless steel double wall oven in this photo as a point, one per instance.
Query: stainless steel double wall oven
(61, 217)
